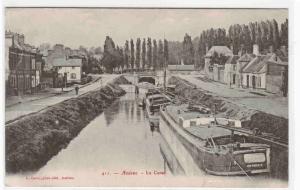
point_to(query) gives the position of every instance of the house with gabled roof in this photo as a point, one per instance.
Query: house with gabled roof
(254, 74)
(215, 60)
(230, 76)
(70, 69)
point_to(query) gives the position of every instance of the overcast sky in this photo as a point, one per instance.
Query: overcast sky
(88, 27)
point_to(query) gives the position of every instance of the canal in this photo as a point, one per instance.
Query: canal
(118, 148)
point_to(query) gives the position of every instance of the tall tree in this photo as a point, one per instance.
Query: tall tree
(284, 33)
(131, 54)
(138, 54)
(276, 38)
(155, 56)
(122, 62)
(160, 54)
(166, 52)
(188, 50)
(149, 53)
(143, 54)
(246, 38)
(126, 55)
(111, 56)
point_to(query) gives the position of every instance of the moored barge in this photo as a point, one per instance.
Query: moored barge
(153, 104)
(194, 136)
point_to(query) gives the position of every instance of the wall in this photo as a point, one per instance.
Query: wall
(227, 73)
(262, 80)
(274, 83)
(218, 73)
(70, 70)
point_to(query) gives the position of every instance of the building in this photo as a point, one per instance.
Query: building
(277, 76)
(70, 69)
(241, 63)
(57, 52)
(23, 65)
(215, 60)
(181, 69)
(230, 71)
(267, 72)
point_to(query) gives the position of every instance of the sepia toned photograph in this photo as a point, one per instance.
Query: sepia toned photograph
(146, 97)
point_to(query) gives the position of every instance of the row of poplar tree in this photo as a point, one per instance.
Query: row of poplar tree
(265, 34)
(139, 55)
(153, 54)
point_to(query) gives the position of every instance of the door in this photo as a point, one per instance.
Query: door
(233, 79)
(253, 82)
(247, 81)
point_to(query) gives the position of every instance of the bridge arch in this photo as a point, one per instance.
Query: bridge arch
(147, 79)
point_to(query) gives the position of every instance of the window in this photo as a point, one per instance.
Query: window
(192, 123)
(181, 122)
(233, 78)
(33, 64)
(73, 67)
(234, 67)
(73, 75)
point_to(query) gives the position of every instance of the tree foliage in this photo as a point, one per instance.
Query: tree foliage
(138, 54)
(160, 54)
(143, 54)
(149, 53)
(126, 54)
(188, 50)
(131, 54)
(155, 56)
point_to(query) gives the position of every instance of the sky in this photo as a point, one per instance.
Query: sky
(89, 26)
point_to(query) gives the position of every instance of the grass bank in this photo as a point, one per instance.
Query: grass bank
(32, 140)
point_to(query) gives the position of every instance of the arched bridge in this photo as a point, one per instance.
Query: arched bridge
(153, 77)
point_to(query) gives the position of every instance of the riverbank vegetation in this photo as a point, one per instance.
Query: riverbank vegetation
(32, 140)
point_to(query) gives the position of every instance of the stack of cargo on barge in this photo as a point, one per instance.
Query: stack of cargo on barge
(199, 143)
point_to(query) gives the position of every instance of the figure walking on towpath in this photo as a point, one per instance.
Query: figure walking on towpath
(76, 90)
(136, 90)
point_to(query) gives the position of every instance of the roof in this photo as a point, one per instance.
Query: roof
(205, 132)
(278, 63)
(185, 113)
(155, 96)
(246, 57)
(284, 58)
(63, 62)
(232, 59)
(257, 64)
(181, 67)
(220, 50)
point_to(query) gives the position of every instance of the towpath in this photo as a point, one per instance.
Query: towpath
(254, 99)
(14, 111)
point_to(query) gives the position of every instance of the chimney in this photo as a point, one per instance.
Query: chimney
(21, 39)
(255, 49)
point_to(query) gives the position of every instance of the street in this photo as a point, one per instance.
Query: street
(25, 108)
(269, 103)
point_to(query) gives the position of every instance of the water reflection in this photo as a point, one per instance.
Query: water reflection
(113, 140)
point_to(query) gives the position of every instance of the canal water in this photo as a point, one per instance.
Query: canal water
(118, 148)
